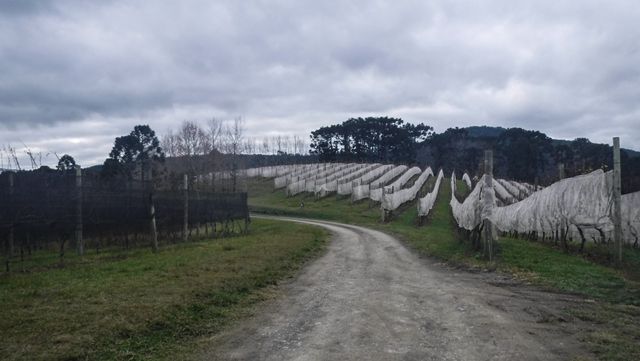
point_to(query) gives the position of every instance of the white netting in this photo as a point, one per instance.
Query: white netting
(330, 183)
(363, 182)
(571, 205)
(385, 178)
(469, 214)
(512, 189)
(425, 204)
(268, 172)
(310, 177)
(517, 191)
(377, 176)
(359, 188)
(345, 185)
(376, 194)
(630, 204)
(504, 196)
(294, 175)
(467, 180)
(392, 200)
(364, 190)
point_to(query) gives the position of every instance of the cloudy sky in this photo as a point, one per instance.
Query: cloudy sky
(76, 74)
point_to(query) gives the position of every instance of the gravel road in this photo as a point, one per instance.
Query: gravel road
(370, 298)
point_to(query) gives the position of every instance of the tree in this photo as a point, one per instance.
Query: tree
(370, 139)
(141, 146)
(66, 162)
(234, 136)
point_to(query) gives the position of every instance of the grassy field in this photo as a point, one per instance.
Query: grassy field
(617, 292)
(148, 306)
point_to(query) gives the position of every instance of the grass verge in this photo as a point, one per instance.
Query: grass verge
(144, 306)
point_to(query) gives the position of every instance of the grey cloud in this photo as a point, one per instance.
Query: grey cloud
(564, 68)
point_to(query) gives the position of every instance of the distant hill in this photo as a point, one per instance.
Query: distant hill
(525, 155)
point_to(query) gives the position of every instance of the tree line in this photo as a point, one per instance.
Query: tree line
(519, 154)
(369, 139)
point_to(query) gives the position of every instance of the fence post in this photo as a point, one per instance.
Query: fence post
(185, 226)
(152, 212)
(10, 240)
(617, 211)
(487, 205)
(247, 219)
(79, 239)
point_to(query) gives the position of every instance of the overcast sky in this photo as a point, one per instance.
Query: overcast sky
(75, 74)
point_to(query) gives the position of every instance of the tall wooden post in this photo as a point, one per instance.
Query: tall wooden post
(561, 173)
(185, 226)
(487, 205)
(152, 212)
(617, 210)
(247, 219)
(79, 239)
(10, 240)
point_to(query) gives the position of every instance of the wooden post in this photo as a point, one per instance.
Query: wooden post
(487, 205)
(185, 226)
(561, 173)
(10, 240)
(247, 219)
(79, 239)
(617, 210)
(152, 213)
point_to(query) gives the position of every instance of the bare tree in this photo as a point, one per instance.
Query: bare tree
(286, 144)
(250, 146)
(12, 157)
(215, 132)
(264, 147)
(170, 144)
(192, 140)
(234, 135)
(299, 145)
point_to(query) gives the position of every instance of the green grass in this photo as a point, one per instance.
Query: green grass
(615, 313)
(148, 306)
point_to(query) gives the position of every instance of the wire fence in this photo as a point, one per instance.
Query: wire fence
(54, 210)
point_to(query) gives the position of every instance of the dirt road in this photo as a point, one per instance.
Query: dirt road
(369, 298)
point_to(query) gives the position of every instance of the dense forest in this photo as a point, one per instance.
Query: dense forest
(369, 139)
(519, 154)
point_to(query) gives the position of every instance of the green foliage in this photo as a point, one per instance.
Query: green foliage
(139, 146)
(66, 162)
(522, 154)
(369, 139)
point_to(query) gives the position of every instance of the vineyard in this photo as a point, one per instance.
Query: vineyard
(578, 209)
(54, 210)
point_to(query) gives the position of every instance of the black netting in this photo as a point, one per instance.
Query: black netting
(45, 206)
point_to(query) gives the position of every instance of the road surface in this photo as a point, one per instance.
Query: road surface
(370, 298)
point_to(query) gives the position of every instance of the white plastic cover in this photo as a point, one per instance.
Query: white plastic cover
(300, 185)
(467, 180)
(391, 201)
(425, 204)
(376, 194)
(331, 183)
(361, 185)
(583, 201)
(468, 214)
(298, 170)
(345, 185)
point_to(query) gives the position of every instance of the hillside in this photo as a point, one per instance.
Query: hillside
(524, 155)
